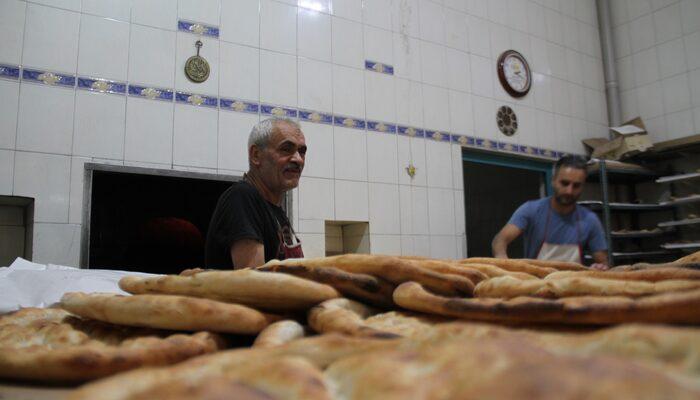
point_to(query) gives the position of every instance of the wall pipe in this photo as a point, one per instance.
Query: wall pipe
(612, 90)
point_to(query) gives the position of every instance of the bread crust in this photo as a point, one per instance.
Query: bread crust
(507, 287)
(279, 333)
(363, 287)
(648, 275)
(167, 312)
(260, 290)
(513, 265)
(679, 308)
(392, 269)
(51, 345)
(345, 316)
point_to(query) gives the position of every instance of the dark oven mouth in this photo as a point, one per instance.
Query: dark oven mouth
(140, 219)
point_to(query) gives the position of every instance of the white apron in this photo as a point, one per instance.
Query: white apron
(561, 252)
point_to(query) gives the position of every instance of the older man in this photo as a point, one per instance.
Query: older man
(249, 227)
(555, 227)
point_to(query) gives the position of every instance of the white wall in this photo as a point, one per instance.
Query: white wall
(283, 53)
(657, 46)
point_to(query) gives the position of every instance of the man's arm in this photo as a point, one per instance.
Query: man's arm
(247, 253)
(600, 260)
(500, 242)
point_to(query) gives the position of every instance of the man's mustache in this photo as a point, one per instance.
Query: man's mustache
(293, 167)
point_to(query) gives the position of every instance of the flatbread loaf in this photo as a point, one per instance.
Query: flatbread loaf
(512, 265)
(344, 316)
(493, 271)
(321, 351)
(167, 312)
(558, 265)
(507, 287)
(648, 275)
(690, 258)
(666, 347)
(447, 267)
(393, 269)
(680, 308)
(264, 378)
(279, 333)
(260, 290)
(51, 345)
(363, 287)
(355, 319)
(495, 369)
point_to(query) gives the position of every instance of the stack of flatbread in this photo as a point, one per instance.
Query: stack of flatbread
(168, 319)
(372, 326)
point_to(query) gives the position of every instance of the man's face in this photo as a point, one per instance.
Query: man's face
(282, 160)
(568, 185)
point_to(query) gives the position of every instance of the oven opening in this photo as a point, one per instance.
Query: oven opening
(151, 222)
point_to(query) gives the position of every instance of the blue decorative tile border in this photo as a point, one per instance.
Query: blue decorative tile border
(238, 105)
(382, 127)
(196, 99)
(278, 111)
(9, 71)
(48, 78)
(100, 85)
(379, 67)
(437, 135)
(151, 92)
(348, 122)
(411, 131)
(198, 28)
(315, 116)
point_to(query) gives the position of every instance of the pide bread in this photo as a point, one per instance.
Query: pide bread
(507, 287)
(167, 312)
(279, 333)
(392, 269)
(260, 290)
(51, 345)
(680, 308)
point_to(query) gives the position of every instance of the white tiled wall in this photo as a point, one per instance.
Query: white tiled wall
(307, 55)
(657, 46)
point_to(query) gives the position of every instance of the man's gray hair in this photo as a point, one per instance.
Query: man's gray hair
(262, 131)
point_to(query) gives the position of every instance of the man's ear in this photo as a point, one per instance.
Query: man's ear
(254, 155)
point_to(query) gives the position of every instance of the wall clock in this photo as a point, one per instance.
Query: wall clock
(514, 73)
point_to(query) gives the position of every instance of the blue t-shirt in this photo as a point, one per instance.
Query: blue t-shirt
(531, 218)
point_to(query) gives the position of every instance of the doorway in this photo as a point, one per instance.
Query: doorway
(494, 187)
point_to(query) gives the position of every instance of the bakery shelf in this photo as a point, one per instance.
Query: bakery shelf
(678, 178)
(678, 246)
(695, 198)
(620, 172)
(689, 221)
(640, 233)
(638, 254)
(598, 205)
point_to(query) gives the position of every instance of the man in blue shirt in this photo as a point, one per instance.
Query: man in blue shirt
(555, 227)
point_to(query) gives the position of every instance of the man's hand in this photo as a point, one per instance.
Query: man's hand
(600, 267)
(499, 245)
(600, 261)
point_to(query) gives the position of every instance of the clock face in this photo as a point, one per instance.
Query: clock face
(514, 73)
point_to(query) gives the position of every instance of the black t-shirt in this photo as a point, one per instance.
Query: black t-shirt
(242, 213)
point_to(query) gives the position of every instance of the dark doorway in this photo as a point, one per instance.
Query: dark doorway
(150, 223)
(494, 187)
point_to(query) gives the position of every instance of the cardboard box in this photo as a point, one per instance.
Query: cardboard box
(628, 139)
